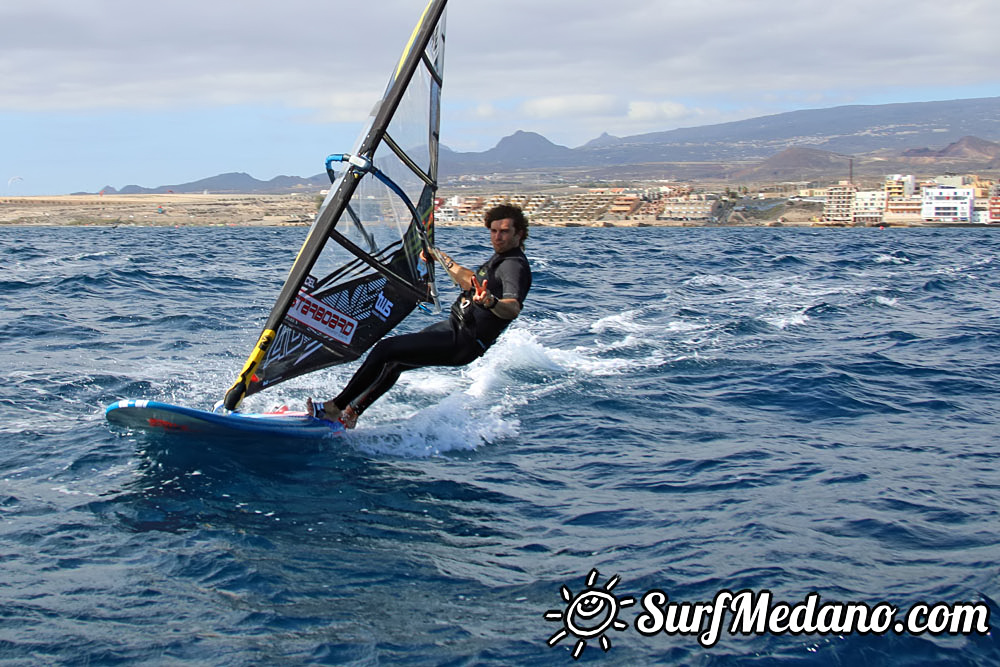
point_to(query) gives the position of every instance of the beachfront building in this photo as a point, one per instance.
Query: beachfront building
(981, 211)
(648, 210)
(692, 207)
(446, 214)
(784, 190)
(673, 190)
(980, 187)
(581, 208)
(839, 207)
(995, 209)
(899, 186)
(869, 207)
(945, 203)
(535, 204)
(460, 207)
(902, 205)
(903, 211)
(622, 207)
(812, 193)
(954, 180)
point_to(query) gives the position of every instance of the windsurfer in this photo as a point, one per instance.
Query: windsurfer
(492, 297)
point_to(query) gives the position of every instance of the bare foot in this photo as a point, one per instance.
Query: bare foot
(348, 417)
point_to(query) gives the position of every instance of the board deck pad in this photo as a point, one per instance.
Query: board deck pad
(160, 417)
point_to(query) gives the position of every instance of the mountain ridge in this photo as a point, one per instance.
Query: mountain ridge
(888, 136)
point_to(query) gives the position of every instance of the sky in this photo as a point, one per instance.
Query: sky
(97, 93)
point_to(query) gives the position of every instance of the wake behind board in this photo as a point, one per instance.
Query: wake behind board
(166, 418)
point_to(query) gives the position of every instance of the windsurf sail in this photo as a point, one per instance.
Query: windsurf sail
(360, 272)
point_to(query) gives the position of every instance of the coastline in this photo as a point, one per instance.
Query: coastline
(160, 210)
(290, 210)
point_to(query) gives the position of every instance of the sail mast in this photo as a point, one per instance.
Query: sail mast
(328, 217)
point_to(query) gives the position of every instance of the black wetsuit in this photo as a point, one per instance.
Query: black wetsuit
(465, 336)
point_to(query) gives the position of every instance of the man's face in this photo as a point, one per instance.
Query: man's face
(503, 236)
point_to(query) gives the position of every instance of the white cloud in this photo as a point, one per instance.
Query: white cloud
(560, 56)
(669, 64)
(486, 110)
(566, 69)
(58, 54)
(570, 106)
(657, 111)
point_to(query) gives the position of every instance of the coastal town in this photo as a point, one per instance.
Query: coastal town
(898, 200)
(902, 200)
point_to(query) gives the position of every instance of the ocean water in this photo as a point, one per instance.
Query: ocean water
(693, 410)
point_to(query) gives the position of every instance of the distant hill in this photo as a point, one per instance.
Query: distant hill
(603, 141)
(232, 183)
(798, 145)
(521, 150)
(849, 130)
(795, 163)
(966, 148)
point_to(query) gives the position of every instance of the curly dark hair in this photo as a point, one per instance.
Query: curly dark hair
(504, 211)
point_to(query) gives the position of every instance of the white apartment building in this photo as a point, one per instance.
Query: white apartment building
(839, 207)
(947, 204)
(869, 207)
(446, 214)
(956, 180)
(692, 207)
(981, 212)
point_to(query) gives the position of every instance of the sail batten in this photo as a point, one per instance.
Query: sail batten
(407, 160)
(432, 70)
(340, 298)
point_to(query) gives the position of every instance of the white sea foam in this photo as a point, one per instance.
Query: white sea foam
(714, 280)
(789, 320)
(434, 381)
(453, 424)
(886, 301)
(582, 359)
(623, 321)
(629, 341)
(891, 259)
(437, 410)
(66, 491)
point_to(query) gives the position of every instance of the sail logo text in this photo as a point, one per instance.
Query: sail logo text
(321, 317)
(383, 306)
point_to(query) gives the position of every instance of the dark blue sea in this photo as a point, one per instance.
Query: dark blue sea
(693, 410)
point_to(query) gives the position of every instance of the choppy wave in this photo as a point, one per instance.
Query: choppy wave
(691, 409)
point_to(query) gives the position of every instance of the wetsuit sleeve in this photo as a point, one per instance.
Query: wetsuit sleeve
(515, 279)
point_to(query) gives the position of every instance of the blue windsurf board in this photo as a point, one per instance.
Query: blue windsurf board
(160, 417)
